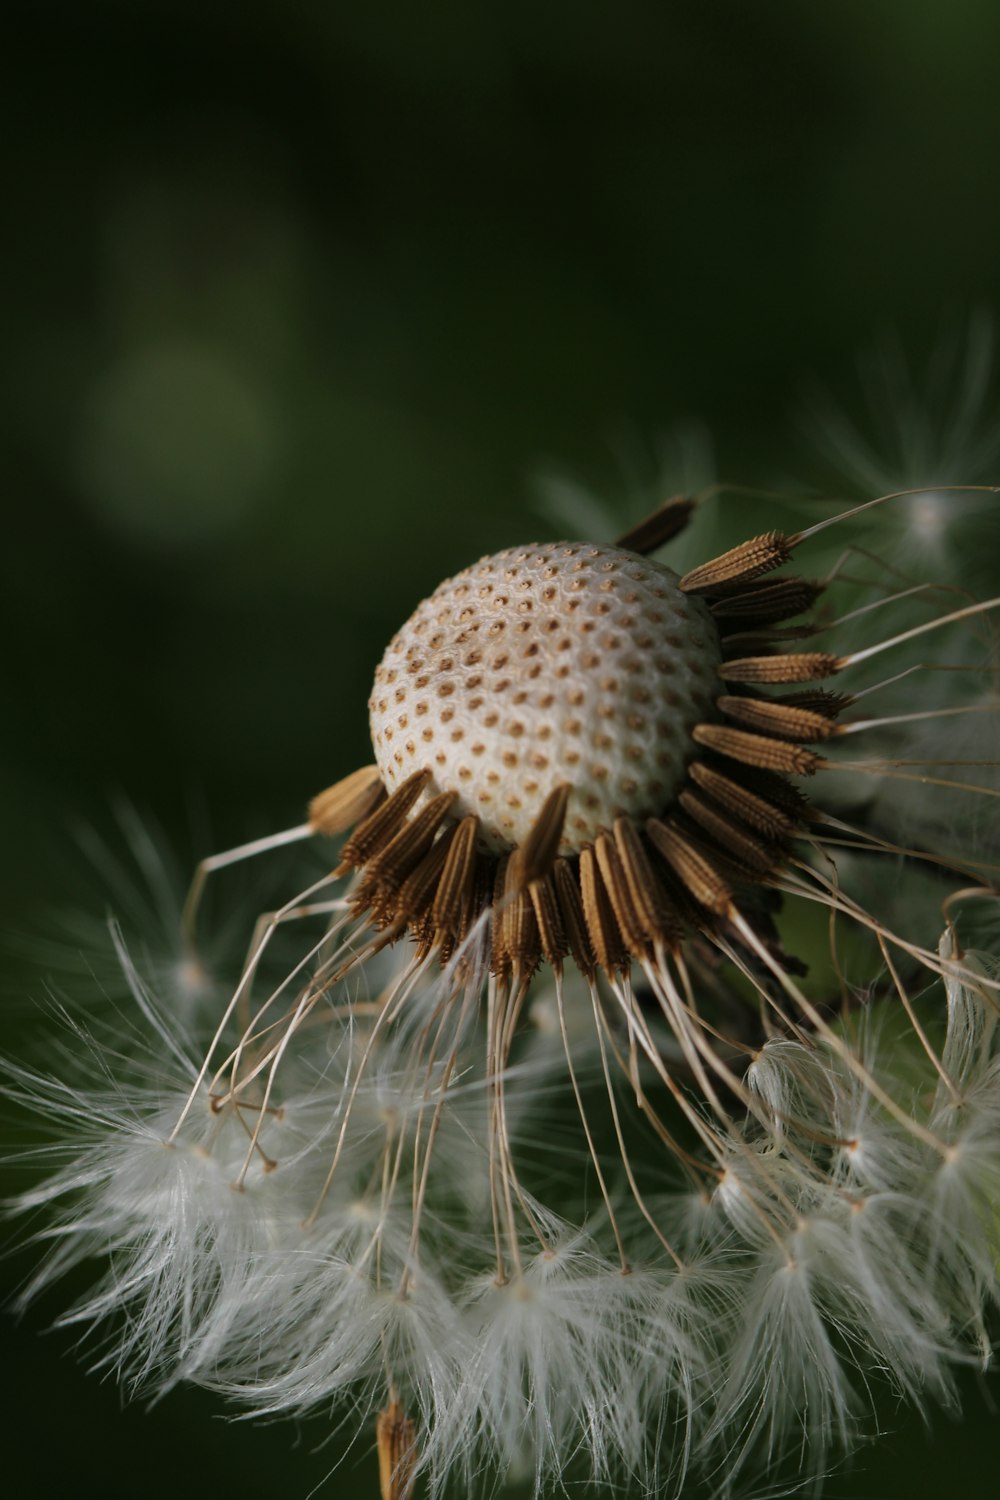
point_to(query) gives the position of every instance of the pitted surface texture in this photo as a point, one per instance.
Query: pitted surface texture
(557, 662)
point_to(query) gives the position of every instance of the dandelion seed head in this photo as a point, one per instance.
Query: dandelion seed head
(667, 1205)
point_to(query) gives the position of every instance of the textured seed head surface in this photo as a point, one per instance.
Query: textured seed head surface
(552, 663)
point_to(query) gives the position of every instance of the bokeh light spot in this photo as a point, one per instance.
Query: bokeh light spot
(176, 446)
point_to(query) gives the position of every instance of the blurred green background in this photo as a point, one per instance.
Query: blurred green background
(300, 301)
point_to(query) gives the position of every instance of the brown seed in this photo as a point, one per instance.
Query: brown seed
(393, 863)
(551, 934)
(739, 565)
(660, 921)
(758, 810)
(819, 701)
(729, 835)
(757, 750)
(802, 666)
(785, 720)
(347, 801)
(457, 880)
(573, 920)
(382, 825)
(602, 928)
(659, 527)
(417, 892)
(535, 856)
(521, 941)
(692, 866)
(622, 904)
(499, 959)
(767, 603)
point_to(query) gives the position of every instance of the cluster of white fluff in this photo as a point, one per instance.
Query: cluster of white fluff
(854, 1227)
(884, 1250)
(926, 427)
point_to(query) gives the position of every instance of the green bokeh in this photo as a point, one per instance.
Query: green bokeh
(299, 301)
